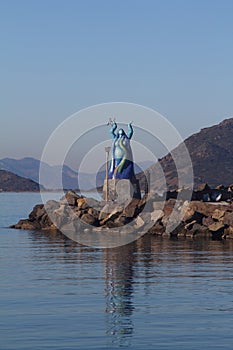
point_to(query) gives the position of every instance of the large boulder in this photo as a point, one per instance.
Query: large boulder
(70, 198)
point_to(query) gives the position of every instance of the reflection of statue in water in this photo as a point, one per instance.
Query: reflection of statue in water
(119, 279)
(121, 165)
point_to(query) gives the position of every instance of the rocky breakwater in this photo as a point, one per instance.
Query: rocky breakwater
(171, 217)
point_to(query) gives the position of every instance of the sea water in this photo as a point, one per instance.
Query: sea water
(151, 294)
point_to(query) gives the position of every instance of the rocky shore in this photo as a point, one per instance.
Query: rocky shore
(171, 216)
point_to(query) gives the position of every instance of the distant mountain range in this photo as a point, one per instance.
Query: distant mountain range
(29, 168)
(211, 153)
(10, 182)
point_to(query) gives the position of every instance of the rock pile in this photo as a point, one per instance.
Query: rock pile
(80, 210)
(200, 219)
(171, 217)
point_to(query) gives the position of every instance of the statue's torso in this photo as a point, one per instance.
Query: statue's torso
(119, 151)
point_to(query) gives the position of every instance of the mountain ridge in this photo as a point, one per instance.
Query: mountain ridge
(10, 182)
(29, 167)
(211, 153)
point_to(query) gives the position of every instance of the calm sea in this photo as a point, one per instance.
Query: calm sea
(152, 294)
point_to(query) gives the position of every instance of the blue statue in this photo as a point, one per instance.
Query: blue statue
(121, 164)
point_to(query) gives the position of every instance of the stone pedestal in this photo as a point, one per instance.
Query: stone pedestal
(121, 191)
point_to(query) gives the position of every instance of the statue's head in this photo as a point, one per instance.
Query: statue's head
(121, 133)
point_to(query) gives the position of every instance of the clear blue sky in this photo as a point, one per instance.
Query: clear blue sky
(60, 56)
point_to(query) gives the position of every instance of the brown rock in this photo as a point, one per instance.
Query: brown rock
(45, 222)
(37, 212)
(51, 205)
(110, 211)
(157, 228)
(94, 204)
(81, 203)
(207, 221)
(228, 219)
(131, 209)
(79, 213)
(89, 219)
(25, 224)
(122, 220)
(111, 224)
(228, 232)
(189, 214)
(189, 225)
(70, 198)
(147, 205)
(93, 212)
(139, 221)
(201, 231)
(216, 226)
(158, 205)
(207, 209)
(218, 214)
(60, 216)
(157, 215)
(204, 187)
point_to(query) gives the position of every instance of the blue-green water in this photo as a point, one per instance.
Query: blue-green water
(152, 294)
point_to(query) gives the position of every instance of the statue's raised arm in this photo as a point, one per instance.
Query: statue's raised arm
(113, 129)
(130, 130)
(113, 124)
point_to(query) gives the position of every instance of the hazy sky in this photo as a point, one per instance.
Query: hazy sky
(58, 57)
